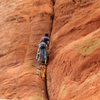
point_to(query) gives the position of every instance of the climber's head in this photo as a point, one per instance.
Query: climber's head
(46, 34)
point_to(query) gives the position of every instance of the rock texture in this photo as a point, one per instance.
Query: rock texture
(74, 67)
(22, 23)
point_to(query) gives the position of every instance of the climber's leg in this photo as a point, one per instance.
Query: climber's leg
(44, 56)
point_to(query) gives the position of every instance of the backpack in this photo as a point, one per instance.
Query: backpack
(42, 45)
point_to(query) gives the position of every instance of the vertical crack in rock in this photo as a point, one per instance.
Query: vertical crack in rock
(74, 29)
(45, 17)
(52, 19)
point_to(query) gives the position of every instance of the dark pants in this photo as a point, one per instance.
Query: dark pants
(43, 54)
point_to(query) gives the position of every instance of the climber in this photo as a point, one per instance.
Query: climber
(46, 39)
(42, 49)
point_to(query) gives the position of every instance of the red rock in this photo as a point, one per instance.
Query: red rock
(73, 72)
(22, 23)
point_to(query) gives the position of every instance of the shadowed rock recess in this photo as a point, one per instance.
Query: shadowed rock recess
(73, 72)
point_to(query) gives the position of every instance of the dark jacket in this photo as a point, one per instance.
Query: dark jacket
(45, 39)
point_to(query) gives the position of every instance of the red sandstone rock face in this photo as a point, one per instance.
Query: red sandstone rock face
(22, 23)
(73, 71)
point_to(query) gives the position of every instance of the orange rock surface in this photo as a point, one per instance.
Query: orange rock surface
(73, 72)
(22, 23)
(74, 68)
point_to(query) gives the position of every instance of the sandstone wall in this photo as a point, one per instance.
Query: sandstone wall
(74, 66)
(74, 69)
(22, 23)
